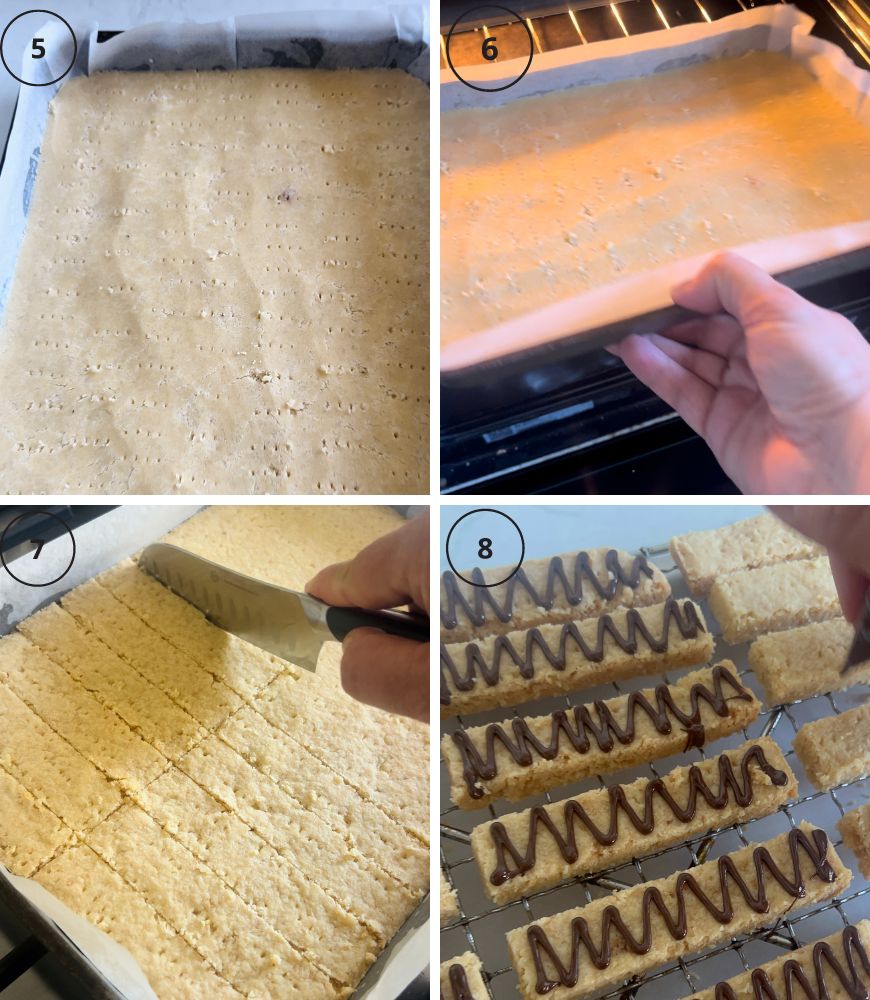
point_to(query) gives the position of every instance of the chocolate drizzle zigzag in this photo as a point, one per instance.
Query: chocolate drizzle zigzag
(571, 585)
(556, 654)
(574, 815)
(794, 973)
(580, 728)
(611, 920)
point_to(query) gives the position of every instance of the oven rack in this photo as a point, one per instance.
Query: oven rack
(678, 978)
(583, 22)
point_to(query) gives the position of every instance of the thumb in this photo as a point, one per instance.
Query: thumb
(845, 531)
(387, 672)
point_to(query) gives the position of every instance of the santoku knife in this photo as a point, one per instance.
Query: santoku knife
(291, 625)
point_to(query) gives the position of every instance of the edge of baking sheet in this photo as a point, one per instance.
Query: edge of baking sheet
(776, 29)
(394, 36)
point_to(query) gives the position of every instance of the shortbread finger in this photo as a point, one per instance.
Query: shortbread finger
(753, 601)
(702, 556)
(562, 588)
(553, 659)
(837, 748)
(528, 755)
(855, 828)
(449, 902)
(579, 952)
(462, 978)
(805, 661)
(836, 968)
(523, 852)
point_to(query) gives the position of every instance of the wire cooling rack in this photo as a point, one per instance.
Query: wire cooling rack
(481, 926)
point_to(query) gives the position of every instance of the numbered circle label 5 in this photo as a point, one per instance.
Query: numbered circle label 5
(503, 35)
(42, 562)
(38, 47)
(486, 539)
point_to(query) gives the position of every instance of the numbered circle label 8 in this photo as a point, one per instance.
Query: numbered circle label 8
(486, 539)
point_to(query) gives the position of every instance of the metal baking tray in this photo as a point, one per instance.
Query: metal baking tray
(481, 926)
(44, 937)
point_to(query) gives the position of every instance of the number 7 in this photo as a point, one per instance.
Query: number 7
(38, 542)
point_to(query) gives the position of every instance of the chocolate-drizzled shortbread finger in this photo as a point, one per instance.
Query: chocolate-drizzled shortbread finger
(835, 968)
(758, 541)
(553, 659)
(855, 828)
(526, 851)
(804, 661)
(462, 978)
(837, 748)
(528, 755)
(773, 598)
(586, 949)
(559, 589)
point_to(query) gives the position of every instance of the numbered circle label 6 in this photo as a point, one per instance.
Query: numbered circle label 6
(498, 23)
(34, 40)
(41, 564)
(486, 539)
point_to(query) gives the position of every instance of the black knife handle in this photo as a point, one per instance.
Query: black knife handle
(340, 621)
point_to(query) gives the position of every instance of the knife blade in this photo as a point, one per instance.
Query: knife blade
(859, 651)
(292, 625)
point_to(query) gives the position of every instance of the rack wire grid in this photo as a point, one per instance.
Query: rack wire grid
(481, 926)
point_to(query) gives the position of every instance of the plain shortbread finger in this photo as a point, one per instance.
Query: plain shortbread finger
(837, 748)
(702, 556)
(750, 602)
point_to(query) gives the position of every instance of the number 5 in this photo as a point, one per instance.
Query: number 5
(38, 48)
(490, 52)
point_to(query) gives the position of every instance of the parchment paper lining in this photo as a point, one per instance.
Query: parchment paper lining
(777, 29)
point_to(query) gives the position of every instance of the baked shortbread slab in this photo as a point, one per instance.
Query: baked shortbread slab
(462, 978)
(529, 755)
(232, 267)
(702, 556)
(785, 595)
(837, 967)
(555, 659)
(836, 748)
(562, 588)
(803, 856)
(520, 853)
(801, 662)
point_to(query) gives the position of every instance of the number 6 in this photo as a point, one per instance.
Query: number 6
(490, 52)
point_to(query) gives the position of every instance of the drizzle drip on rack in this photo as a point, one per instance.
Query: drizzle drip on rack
(571, 585)
(580, 728)
(731, 786)
(489, 669)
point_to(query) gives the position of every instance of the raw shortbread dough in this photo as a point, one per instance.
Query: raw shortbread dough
(283, 811)
(223, 288)
(547, 197)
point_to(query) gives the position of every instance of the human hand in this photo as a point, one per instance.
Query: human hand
(777, 387)
(845, 532)
(377, 668)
